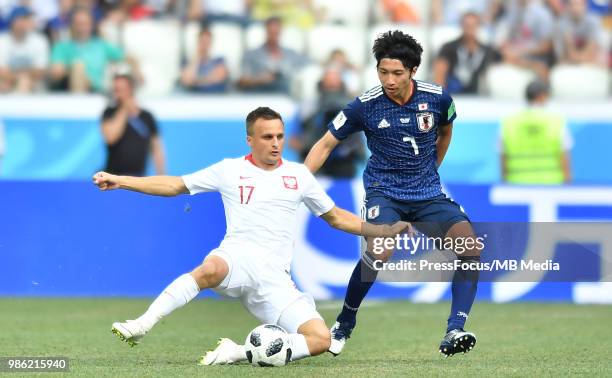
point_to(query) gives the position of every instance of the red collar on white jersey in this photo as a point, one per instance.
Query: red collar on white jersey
(249, 157)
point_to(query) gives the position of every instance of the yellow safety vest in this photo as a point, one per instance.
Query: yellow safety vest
(533, 145)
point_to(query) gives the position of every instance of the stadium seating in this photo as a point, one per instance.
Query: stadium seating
(160, 45)
(508, 82)
(154, 45)
(304, 85)
(322, 39)
(579, 82)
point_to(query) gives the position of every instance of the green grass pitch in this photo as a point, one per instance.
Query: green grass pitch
(393, 339)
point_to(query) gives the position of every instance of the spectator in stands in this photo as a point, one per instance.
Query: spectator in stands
(24, 54)
(346, 158)
(130, 132)
(397, 11)
(204, 73)
(449, 12)
(42, 10)
(578, 36)
(270, 67)
(350, 76)
(58, 27)
(462, 62)
(535, 144)
(78, 64)
(527, 30)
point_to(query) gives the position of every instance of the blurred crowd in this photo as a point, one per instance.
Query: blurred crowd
(71, 45)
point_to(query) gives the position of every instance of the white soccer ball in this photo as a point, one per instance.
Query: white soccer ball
(267, 345)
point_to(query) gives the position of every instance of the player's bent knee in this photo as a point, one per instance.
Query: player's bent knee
(464, 231)
(211, 272)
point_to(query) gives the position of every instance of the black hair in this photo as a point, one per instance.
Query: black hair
(262, 112)
(535, 89)
(398, 45)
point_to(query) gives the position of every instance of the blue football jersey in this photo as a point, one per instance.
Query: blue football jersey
(402, 139)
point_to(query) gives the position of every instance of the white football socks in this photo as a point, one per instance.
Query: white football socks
(299, 347)
(176, 295)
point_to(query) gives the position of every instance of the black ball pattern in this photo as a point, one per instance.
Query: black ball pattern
(274, 347)
(255, 339)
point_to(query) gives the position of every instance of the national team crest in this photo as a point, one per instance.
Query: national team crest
(290, 182)
(425, 121)
(373, 212)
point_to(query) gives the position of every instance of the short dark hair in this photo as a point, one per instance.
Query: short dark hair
(261, 112)
(535, 89)
(398, 45)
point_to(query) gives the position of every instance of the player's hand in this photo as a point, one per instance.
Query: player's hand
(105, 181)
(402, 227)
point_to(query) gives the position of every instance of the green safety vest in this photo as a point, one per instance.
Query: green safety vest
(533, 145)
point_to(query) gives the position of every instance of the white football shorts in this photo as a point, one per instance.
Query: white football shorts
(266, 290)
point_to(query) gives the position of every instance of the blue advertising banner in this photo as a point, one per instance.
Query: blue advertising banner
(69, 239)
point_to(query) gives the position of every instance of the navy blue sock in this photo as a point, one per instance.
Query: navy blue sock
(361, 281)
(465, 283)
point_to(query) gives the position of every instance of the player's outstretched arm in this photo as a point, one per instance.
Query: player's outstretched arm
(351, 223)
(319, 153)
(155, 185)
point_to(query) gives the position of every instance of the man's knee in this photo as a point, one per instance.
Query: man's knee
(377, 251)
(211, 272)
(471, 247)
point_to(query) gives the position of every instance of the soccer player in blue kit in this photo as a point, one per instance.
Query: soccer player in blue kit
(408, 125)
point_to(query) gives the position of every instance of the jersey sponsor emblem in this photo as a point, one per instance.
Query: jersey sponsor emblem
(290, 182)
(405, 120)
(373, 212)
(423, 106)
(383, 124)
(425, 121)
(339, 121)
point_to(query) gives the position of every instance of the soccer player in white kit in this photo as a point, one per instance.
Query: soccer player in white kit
(261, 194)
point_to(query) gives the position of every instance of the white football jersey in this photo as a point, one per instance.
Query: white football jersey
(260, 206)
